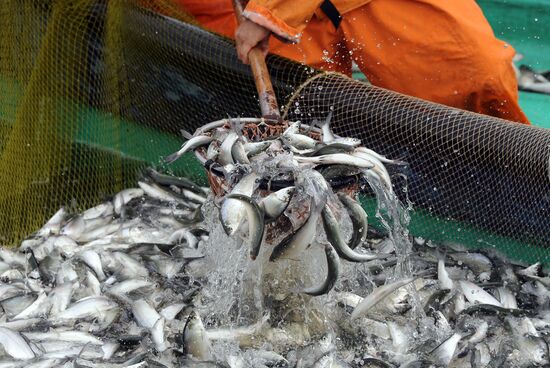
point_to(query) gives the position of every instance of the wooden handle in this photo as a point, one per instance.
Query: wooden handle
(266, 94)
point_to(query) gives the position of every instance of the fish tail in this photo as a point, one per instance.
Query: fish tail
(172, 157)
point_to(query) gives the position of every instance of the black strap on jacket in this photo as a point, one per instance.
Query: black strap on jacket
(331, 12)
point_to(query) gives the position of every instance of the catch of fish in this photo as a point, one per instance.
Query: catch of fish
(169, 274)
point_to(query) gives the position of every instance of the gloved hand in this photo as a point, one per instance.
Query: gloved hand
(249, 35)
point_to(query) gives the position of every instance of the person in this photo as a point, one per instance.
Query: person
(441, 51)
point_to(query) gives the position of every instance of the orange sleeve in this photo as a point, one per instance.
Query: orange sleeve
(285, 18)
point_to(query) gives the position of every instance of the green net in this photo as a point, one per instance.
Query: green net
(93, 91)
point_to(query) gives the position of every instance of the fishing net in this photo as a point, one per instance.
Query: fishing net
(93, 91)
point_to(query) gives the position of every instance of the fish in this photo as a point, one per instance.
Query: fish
(226, 157)
(178, 181)
(296, 242)
(101, 210)
(162, 194)
(193, 143)
(92, 260)
(254, 148)
(378, 168)
(89, 307)
(445, 281)
(445, 352)
(15, 345)
(332, 148)
(475, 294)
(239, 154)
(337, 159)
(239, 334)
(53, 225)
(326, 133)
(256, 224)
(377, 295)
(130, 285)
(184, 234)
(157, 335)
(276, 203)
(531, 81)
(333, 271)
(171, 311)
(66, 336)
(213, 151)
(378, 156)
(232, 211)
(195, 339)
(359, 220)
(334, 237)
(299, 141)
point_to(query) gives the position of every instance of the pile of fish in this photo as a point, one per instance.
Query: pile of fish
(150, 278)
(309, 165)
(105, 288)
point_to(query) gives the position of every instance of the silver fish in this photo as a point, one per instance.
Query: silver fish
(226, 157)
(15, 345)
(60, 297)
(254, 148)
(92, 260)
(332, 230)
(480, 333)
(129, 267)
(507, 298)
(89, 307)
(256, 223)
(122, 198)
(213, 151)
(232, 211)
(358, 218)
(127, 286)
(276, 203)
(94, 287)
(333, 271)
(337, 159)
(195, 338)
(475, 294)
(190, 145)
(327, 135)
(61, 335)
(378, 156)
(299, 141)
(238, 333)
(378, 167)
(239, 154)
(171, 311)
(53, 225)
(39, 308)
(184, 234)
(145, 315)
(377, 295)
(444, 353)
(157, 335)
(293, 128)
(296, 242)
(101, 210)
(157, 192)
(445, 281)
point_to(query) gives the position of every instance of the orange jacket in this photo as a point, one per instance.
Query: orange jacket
(287, 20)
